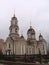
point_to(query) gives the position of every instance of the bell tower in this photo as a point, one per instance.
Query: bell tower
(14, 29)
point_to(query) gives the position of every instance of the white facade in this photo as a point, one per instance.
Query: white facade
(16, 44)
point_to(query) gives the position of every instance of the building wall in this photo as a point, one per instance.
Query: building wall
(42, 47)
(1, 45)
(15, 44)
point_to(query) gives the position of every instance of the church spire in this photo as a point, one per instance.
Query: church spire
(14, 12)
(30, 25)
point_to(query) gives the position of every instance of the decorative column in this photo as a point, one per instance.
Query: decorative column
(21, 49)
(24, 49)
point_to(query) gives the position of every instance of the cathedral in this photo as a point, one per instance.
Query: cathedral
(18, 45)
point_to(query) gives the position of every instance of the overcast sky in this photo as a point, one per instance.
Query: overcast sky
(36, 11)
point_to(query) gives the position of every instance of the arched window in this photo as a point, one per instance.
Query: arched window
(29, 50)
(16, 30)
(33, 51)
(29, 36)
(33, 36)
(9, 45)
(26, 50)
